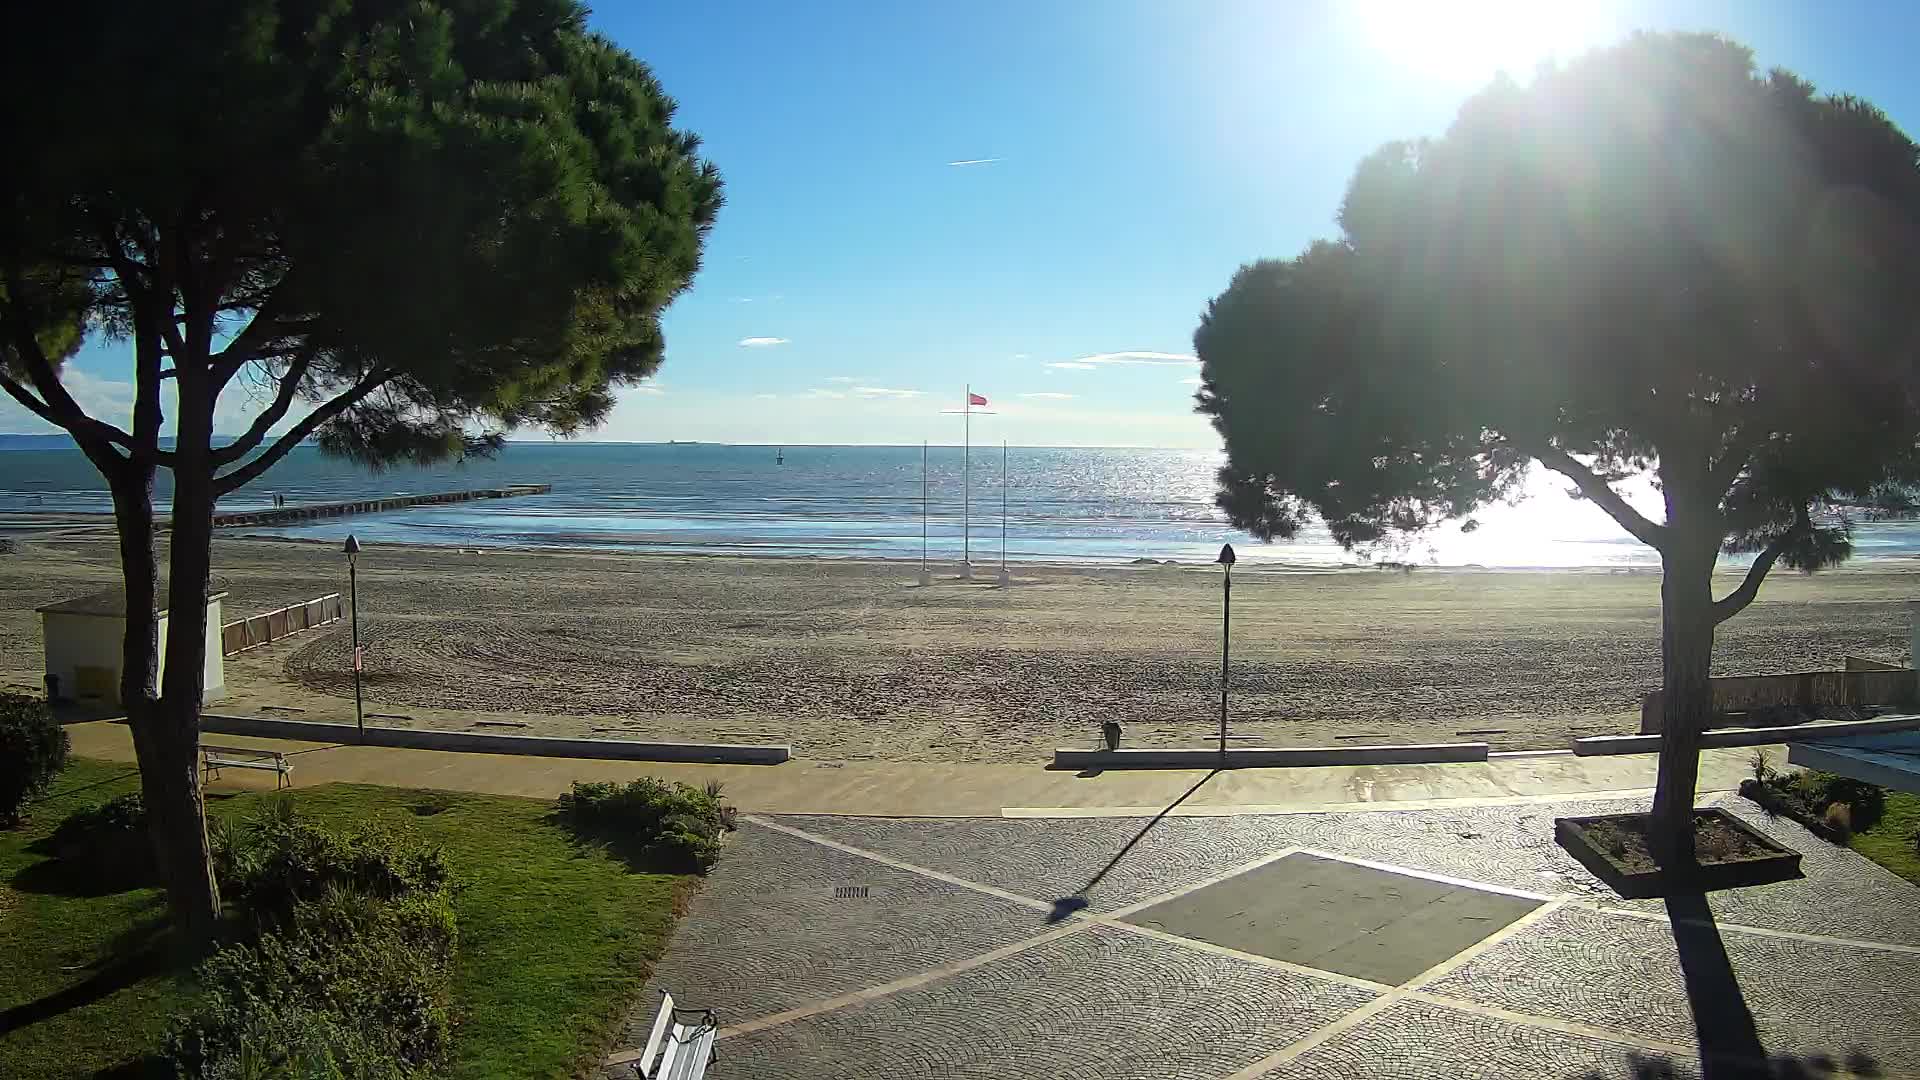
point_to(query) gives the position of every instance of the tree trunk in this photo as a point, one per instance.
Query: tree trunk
(174, 801)
(1686, 660)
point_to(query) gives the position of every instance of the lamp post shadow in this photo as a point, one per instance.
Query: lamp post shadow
(1065, 906)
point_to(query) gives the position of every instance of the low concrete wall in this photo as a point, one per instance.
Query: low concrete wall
(476, 743)
(1766, 736)
(1739, 693)
(1272, 756)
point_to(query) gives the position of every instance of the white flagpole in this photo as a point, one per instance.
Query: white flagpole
(1003, 511)
(925, 578)
(966, 491)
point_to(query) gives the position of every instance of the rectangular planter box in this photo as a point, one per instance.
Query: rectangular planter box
(1780, 864)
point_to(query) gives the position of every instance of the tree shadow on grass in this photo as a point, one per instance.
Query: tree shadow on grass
(1065, 906)
(639, 855)
(142, 950)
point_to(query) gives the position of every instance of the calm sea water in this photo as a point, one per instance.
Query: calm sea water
(1096, 505)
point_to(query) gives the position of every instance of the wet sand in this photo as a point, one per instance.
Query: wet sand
(854, 661)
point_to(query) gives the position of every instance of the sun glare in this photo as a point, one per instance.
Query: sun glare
(1472, 40)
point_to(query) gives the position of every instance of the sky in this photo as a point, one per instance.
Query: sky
(1038, 199)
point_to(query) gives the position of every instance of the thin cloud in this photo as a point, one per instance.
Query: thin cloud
(1019, 356)
(1048, 396)
(1195, 381)
(816, 392)
(976, 161)
(847, 378)
(1131, 358)
(762, 342)
(884, 392)
(1072, 365)
(650, 391)
(766, 397)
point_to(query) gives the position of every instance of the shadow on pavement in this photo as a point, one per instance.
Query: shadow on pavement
(1067, 905)
(1785, 1067)
(1728, 1039)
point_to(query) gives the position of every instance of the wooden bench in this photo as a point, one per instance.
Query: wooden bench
(215, 758)
(678, 1049)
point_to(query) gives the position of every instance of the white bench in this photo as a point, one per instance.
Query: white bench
(215, 758)
(677, 1049)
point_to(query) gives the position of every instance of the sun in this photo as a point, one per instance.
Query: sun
(1472, 40)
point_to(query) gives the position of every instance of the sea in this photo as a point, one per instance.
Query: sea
(1026, 504)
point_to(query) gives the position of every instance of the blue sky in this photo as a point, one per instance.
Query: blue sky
(1128, 157)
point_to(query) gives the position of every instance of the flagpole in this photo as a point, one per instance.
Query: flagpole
(966, 491)
(1003, 512)
(925, 577)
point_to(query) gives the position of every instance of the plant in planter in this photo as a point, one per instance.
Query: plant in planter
(1728, 853)
(1831, 806)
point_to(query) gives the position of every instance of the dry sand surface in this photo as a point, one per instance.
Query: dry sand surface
(852, 660)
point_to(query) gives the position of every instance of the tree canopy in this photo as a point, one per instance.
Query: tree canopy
(402, 228)
(1650, 259)
(430, 222)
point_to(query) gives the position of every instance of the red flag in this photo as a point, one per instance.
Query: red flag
(975, 399)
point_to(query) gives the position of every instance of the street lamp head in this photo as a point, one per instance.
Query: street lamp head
(353, 544)
(1226, 555)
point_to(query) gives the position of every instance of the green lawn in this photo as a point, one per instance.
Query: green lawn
(1890, 842)
(555, 939)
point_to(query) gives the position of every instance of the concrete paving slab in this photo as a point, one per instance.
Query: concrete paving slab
(1415, 1040)
(1338, 916)
(1627, 974)
(1101, 1004)
(767, 932)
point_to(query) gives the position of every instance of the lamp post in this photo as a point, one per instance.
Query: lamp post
(353, 591)
(1226, 636)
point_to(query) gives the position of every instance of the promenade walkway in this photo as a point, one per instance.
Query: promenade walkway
(944, 790)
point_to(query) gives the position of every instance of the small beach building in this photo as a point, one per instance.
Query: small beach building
(81, 641)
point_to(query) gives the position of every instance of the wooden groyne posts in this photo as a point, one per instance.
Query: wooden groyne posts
(287, 515)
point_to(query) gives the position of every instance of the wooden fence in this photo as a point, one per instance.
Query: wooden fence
(1736, 695)
(238, 637)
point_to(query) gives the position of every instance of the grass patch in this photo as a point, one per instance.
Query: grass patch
(1891, 840)
(555, 937)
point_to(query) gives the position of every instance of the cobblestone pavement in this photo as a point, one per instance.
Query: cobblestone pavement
(837, 947)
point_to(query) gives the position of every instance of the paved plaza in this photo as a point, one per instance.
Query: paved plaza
(1449, 942)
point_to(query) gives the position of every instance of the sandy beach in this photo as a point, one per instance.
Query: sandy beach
(851, 660)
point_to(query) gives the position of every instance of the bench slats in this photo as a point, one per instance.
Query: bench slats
(660, 1024)
(692, 1064)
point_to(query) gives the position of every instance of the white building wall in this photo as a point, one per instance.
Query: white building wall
(216, 664)
(72, 642)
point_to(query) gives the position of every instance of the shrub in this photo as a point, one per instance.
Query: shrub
(293, 1044)
(379, 968)
(345, 965)
(33, 750)
(107, 845)
(1839, 819)
(670, 825)
(1866, 802)
(275, 861)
